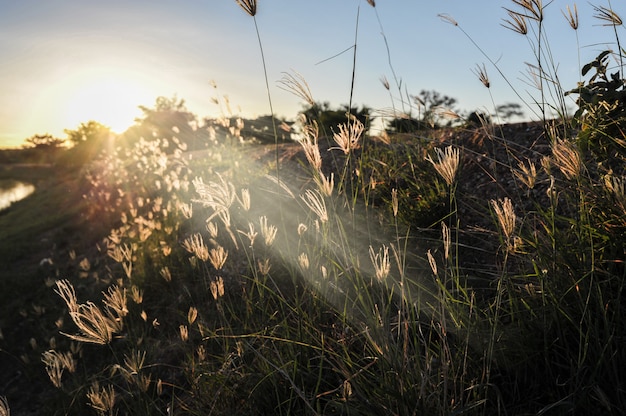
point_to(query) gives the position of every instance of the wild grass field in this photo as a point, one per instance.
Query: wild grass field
(471, 269)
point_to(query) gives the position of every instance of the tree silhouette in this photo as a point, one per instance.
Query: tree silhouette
(509, 110)
(89, 132)
(44, 141)
(168, 119)
(89, 139)
(328, 118)
(429, 105)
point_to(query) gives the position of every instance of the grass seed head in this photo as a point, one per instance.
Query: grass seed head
(447, 163)
(572, 17)
(101, 399)
(249, 6)
(567, 158)
(607, 16)
(5, 410)
(506, 216)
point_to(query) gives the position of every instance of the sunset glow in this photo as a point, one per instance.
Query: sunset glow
(110, 97)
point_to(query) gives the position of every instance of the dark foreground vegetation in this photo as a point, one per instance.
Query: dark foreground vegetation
(187, 268)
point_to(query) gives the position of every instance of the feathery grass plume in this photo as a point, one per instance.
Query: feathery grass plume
(517, 23)
(447, 18)
(303, 261)
(245, 199)
(526, 174)
(137, 295)
(217, 287)
(309, 142)
(447, 163)
(607, 15)
(192, 314)
(251, 234)
(218, 196)
(385, 82)
(5, 410)
(115, 300)
(185, 209)
(324, 183)
(66, 291)
(531, 9)
(349, 134)
(371, 3)
(380, 261)
(445, 234)
(211, 227)
(297, 85)
(617, 186)
(249, 6)
(217, 257)
(432, 262)
(481, 73)
(264, 266)
(56, 363)
(95, 327)
(394, 201)
(267, 231)
(134, 362)
(166, 274)
(567, 158)
(315, 201)
(184, 333)
(101, 399)
(506, 216)
(572, 17)
(195, 245)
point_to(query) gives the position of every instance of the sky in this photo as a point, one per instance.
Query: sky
(64, 62)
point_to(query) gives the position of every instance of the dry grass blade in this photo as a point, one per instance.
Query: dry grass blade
(249, 6)
(608, 16)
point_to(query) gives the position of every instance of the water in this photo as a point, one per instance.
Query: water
(13, 192)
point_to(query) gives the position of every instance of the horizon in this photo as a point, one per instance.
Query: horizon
(69, 63)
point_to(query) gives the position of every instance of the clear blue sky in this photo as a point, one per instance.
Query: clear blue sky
(64, 62)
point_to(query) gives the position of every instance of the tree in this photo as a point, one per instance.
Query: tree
(430, 103)
(478, 118)
(89, 132)
(168, 118)
(89, 139)
(430, 106)
(405, 125)
(44, 141)
(328, 118)
(509, 110)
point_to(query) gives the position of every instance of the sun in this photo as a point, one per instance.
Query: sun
(108, 96)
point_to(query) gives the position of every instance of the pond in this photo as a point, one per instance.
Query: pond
(12, 191)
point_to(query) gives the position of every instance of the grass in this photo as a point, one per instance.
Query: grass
(455, 271)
